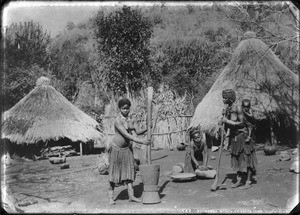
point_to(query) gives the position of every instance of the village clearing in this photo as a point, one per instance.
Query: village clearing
(41, 187)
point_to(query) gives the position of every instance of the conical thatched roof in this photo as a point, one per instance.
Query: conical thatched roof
(256, 73)
(46, 114)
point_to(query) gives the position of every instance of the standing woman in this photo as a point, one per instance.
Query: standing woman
(121, 160)
(197, 152)
(243, 157)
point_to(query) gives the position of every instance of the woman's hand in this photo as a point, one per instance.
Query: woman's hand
(224, 120)
(147, 142)
(203, 168)
(248, 140)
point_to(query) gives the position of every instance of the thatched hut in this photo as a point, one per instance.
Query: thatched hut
(46, 115)
(255, 73)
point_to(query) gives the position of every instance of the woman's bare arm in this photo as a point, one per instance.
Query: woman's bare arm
(192, 155)
(205, 153)
(122, 130)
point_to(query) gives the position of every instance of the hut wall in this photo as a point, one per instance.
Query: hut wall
(168, 132)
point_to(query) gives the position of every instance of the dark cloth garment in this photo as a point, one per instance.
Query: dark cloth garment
(121, 164)
(189, 165)
(242, 154)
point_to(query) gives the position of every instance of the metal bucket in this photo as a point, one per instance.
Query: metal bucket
(150, 177)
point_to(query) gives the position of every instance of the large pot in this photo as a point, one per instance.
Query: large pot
(269, 150)
(181, 146)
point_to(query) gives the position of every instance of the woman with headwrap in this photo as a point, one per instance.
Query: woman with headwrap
(243, 157)
(197, 152)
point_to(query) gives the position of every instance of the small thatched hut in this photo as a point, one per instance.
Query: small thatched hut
(46, 115)
(255, 73)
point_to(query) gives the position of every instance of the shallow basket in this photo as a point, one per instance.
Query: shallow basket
(181, 177)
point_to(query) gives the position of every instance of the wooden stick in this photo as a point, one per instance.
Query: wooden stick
(214, 186)
(149, 119)
(155, 116)
(81, 150)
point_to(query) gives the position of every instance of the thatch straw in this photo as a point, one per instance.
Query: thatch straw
(255, 73)
(45, 114)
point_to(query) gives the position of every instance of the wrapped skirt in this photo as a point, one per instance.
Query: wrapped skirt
(243, 154)
(121, 165)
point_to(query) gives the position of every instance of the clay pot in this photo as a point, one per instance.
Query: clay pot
(269, 150)
(181, 146)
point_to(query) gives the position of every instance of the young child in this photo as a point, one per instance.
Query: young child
(248, 118)
(197, 153)
(121, 160)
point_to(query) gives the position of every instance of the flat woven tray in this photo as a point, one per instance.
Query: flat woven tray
(183, 177)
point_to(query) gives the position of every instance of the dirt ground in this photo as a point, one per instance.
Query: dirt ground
(81, 189)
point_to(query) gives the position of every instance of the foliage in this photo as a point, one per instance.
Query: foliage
(26, 59)
(123, 38)
(26, 44)
(69, 61)
(186, 62)
(183, 47)
(19, 82)
(273, 23)
(70, 25)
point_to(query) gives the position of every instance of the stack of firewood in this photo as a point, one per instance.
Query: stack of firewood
(57, 151)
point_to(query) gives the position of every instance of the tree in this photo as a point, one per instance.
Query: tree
(70, 25)
(273, 22)
(70, 62)
(188, 64)
(19, 83)
(123, 38)
(26, 44)
(26, 58)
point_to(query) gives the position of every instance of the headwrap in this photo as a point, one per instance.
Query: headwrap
(229, 94)
(246, 103)
(195, 131)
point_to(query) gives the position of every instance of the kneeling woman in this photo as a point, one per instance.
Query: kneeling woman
(197, 152)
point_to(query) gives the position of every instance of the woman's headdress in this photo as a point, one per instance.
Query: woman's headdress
(229, 94)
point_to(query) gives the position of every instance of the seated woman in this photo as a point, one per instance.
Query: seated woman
(197, 152)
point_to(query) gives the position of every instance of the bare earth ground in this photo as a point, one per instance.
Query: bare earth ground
(81, 189)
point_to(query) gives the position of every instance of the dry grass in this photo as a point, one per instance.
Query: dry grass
(46, 114)
(256, 73)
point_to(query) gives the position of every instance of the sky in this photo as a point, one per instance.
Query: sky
(53, 16)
